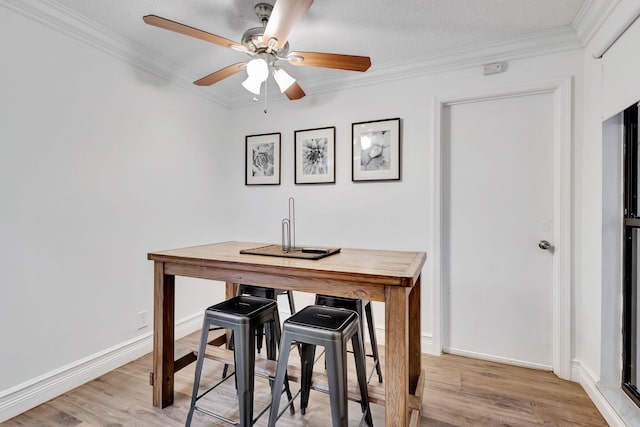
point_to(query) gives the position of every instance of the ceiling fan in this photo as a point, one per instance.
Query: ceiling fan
(267, 45)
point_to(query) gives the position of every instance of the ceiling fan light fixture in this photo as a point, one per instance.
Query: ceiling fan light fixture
(252, 85)
(267, 45)
(258, 69)
(283, 79)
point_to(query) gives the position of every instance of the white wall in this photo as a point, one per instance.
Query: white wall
(394, 215)
(100, 163)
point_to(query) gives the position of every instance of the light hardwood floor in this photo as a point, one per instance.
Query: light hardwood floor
(458, 392)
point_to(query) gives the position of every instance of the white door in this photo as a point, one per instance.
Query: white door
(497, 208)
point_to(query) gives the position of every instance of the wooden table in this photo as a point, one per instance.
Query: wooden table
(389, 276)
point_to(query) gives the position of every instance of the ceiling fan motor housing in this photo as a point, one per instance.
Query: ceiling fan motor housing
(252, 40)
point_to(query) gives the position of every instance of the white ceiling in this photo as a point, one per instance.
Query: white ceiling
(391, 32)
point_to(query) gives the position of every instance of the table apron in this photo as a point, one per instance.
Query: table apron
(317, 283)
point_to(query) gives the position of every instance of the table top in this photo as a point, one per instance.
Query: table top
(401, 268)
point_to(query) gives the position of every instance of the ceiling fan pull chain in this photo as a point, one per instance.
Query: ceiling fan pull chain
(265, 97)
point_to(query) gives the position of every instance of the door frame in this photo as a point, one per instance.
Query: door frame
(562, 210)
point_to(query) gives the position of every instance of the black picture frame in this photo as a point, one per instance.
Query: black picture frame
(262, 159)
(315, 156)
(376, 152)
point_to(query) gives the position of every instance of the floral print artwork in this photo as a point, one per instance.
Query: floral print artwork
(263, 163)
(315, 156)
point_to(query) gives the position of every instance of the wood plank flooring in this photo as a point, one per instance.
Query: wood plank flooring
(458, 392)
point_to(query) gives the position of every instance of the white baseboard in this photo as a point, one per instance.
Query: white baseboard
(34, 392)
(498, 359)
(586, 378)
(426, 344)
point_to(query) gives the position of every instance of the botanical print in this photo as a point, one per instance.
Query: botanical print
(315, 153)
(374, 150)
(263, 163)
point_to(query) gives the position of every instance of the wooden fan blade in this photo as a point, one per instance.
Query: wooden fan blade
(220, 74)
(294, 92)
(330, 60)
(167, 24)
(284, 17)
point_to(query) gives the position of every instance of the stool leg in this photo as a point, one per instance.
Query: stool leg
(307, 354)
(360, 311)
(245, 341)
(225, 370)
(292, 305)
(196, 380)
(272, 344)
(373, 339)
(259, 337)
(336, 356)
(281, 371)
(361, 372)
(273, 336)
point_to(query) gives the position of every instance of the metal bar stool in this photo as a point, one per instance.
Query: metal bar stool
(243, 315)
(332, 328)
(358, 306)
(270, 293)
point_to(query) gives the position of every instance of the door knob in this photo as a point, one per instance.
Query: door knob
(544, 245)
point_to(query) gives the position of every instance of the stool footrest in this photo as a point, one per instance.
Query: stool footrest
(319, 382)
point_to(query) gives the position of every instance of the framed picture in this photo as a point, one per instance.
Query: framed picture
(376, 150)
(262, 159)
(315, 156)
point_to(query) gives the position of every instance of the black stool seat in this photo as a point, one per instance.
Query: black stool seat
(363, 308)
(240, 310)
(242, 315)
(323, 318)
(332, 328)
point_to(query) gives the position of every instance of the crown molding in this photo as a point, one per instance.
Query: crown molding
(67, 21)
(551, 41)
(591, 17)
(70, 23)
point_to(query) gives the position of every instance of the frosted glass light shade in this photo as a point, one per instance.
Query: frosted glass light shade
(252, 85)
(283, 79)
(258, 69)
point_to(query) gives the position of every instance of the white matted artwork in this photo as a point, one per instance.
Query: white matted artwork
(315, 156)
(262, 159)
(376, 150)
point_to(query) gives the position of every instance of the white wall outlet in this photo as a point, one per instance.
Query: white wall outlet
(143, 319)
(496, 67)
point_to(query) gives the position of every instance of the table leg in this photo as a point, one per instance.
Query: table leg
(163, 336)
(396, 355)
(415, 350)
(230, 290)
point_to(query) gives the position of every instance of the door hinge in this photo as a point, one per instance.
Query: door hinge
(150, 378)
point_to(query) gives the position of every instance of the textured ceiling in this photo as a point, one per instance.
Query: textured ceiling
(389, 31)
